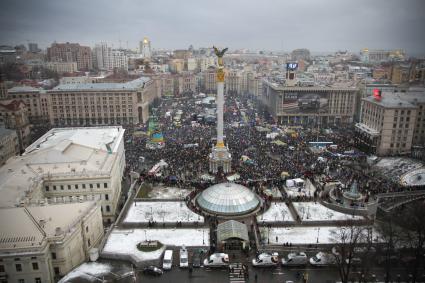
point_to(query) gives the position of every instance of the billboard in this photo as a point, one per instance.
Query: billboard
(291, 66)
(305, 102)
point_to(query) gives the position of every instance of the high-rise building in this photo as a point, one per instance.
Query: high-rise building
(302, 53)
(33, 47)
(14, 115)
(9, 145)
(109, 59)
(145, 48)
(71, 52)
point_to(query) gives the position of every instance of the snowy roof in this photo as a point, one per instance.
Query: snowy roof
(131, 85)
(60, 153)
(389, 101)
(232, 229)
(23, 88)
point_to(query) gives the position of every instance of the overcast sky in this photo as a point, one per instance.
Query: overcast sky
(320, 25)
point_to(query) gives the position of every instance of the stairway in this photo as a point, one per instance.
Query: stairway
(236, 273)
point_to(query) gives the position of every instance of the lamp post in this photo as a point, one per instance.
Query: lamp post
(318, 231)
(203, 239)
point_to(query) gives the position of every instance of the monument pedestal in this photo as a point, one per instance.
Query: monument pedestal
(220, 157)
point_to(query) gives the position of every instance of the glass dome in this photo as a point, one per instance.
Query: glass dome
(228, 199)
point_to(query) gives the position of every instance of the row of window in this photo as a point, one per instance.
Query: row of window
(18, 267)
(76, 186)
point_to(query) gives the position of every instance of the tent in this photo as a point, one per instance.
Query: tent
(233, 177)
(279, 143)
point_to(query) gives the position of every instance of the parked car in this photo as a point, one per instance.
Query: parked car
(266, 260)
(167, 261)
(217, 260)
(196, 258)
(184, 258)
(152, 270)
(295, 259)
(323, 259)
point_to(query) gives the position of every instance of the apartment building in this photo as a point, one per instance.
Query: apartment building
(71, 52)
(62, 67)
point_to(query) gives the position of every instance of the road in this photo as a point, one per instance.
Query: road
(315, 275)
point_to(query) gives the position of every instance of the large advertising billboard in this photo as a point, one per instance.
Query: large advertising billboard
(305, 102)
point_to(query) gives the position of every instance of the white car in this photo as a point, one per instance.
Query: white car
(323, 259)
(217, 260)
(295, 259)
(184, 259)
(168, 260)
(266, 259)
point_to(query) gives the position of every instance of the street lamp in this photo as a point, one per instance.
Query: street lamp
(146, 238)
(203, 239)
(318, 231)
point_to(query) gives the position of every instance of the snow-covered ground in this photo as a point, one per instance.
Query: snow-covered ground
(302, 235)
(90, 271)
(161, 192)
(308, 190)
(278, 211)
(161, 212)
(310, 211)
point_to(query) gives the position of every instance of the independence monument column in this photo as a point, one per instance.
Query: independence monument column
(220, 156)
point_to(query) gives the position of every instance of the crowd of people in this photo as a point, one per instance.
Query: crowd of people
(267, 161)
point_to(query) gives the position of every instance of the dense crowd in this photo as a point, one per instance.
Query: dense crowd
(267, 161)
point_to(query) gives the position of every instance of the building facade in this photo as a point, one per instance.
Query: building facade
(43, 243)
(68, 165)
(309, 105)
(14, 115)
(387, 125)
(62, 67)
(71, 52)
(9, 144)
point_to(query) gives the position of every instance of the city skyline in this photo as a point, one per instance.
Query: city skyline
(322, 27)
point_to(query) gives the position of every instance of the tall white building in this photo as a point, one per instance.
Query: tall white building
(145, 48)
(67, 165)
(109, 59)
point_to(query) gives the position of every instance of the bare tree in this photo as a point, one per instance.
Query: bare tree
(412, 219)
(390, 234)
(348, 238)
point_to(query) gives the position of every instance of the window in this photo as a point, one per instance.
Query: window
(84, 186)
(54, 188)
(35, 265)
(38, 280)
(98, 185)
(91, 186)
(76, 186)
(47, 188)
(108, 209)
(105, 185)
(21, 280)
(18, 267)
(53, 255)
(88, 243)
(2, 268)
(69, 187)
(106, 197)
(57, 271)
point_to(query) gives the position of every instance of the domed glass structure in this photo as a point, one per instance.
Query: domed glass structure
(228, 199)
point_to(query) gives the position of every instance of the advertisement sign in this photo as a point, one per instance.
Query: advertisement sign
(305, 102)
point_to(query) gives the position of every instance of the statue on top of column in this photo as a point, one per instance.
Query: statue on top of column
(220, 72)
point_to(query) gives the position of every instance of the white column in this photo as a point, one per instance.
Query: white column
(220, 103)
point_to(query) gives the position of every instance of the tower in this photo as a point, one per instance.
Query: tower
(145, 48)
(220, 156)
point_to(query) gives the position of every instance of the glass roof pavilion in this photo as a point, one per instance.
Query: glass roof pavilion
(228, 199)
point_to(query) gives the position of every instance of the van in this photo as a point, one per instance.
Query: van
(167, 262)
(184, 259)
(323, 259)
(217, 260)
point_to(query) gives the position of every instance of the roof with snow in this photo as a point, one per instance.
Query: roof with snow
(131, 85)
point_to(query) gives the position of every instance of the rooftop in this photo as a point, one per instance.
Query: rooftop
(390, 101)
(60, 153)
(38, 222)
(23, 88)
(131, 85)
